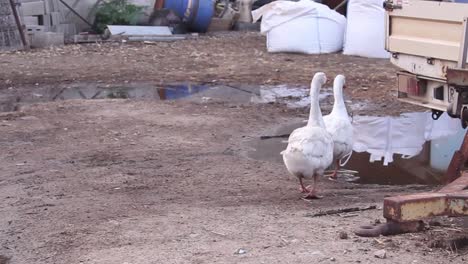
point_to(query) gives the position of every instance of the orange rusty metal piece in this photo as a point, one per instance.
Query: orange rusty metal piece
(404, 213)
(159, 4)
(451, 200)
(458, 161)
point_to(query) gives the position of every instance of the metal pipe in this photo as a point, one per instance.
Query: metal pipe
(18, 24)
(74, 12)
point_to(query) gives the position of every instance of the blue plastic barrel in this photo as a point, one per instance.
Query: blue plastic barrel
(196, 14)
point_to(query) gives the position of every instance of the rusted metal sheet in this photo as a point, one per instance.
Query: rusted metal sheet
(459, 159)
(457, 76)
(452, 200)
(158, 4)
(458, 185)
(404, 213)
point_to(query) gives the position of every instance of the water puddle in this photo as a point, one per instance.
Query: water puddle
(294, 97)
(385, 138)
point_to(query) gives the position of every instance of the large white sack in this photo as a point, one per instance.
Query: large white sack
(365, 31)
(303, 27)
(383, 137)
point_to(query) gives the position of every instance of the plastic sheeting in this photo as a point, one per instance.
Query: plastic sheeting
(303, 27)
(365, 31)
(383, 137)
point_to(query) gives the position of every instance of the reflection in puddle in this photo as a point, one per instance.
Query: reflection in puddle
(292, 97)
(416, 170)
(295, 97)
(378, 139)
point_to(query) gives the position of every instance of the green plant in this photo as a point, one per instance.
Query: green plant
(116, 12)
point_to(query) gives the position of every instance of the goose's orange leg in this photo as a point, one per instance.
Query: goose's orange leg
(312, 194)
(303, 188)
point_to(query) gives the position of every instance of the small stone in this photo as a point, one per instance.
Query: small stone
(193, 235)
(381, 254)
(241, 251)
(332, 259)
(435, 223)
(343, 235)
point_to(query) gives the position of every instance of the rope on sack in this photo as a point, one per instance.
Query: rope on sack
(348, 156)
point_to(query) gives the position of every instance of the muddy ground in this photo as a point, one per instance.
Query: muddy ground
(125, 181)
(224, 58)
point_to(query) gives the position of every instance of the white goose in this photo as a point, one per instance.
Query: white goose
(310, 148)
(339, 125)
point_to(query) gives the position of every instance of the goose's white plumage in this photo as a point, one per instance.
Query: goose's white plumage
(310, 148)
(339, 125)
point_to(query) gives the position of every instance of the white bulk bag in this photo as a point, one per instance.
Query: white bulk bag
(365, 31)
(303, 27)
(383, 137)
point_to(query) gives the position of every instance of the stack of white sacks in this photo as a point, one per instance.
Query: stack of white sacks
(313, 28)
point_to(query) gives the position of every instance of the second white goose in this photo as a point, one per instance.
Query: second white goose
(339, 125)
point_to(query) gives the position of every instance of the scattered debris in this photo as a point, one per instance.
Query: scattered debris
(240, 251)
(4, 260)
(342, 210)
(453, 244)
(139, 31)
(275, 136)
(343, 235)
(381, 254)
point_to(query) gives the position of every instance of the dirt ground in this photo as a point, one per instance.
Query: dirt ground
(122, 181)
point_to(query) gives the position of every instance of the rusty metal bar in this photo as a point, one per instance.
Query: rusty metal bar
(457, 76)
(458, 161)
(158, 4)
(405, 213)
(463, 45)
(452, 200)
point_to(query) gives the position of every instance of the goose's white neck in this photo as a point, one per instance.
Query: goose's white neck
(339, 105)
(315, 114)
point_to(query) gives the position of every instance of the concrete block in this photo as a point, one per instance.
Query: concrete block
(46, 39)
(47, 21)
(34, 28)
(67, 29)
(56, 18)
(31, 20)
(33, 8)
(48, 6)
(87, 38)
(55, 5)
